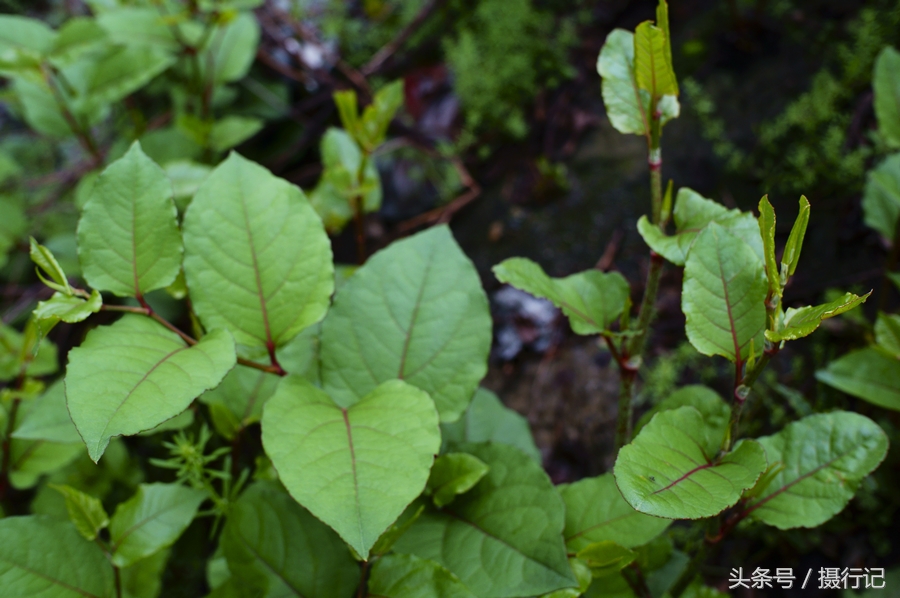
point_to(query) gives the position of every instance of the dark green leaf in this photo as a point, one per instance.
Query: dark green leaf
(408, 576)
(881, 199)
(869, 374)
(886, 86)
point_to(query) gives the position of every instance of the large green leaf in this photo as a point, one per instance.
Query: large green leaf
(23, 43)
(121, 71)
(724, 295)
(47, 418)
(886, 86)
(408, 576)
(128, 238)
(881, 199)
(42, 557)
(825, 457)
(487, 419)
(354, 468)
(143, 26)
(504, 537)
(627, 106)
(691, 215)
(870, 374)
(672, 469)
(592, 300)
(257, 260)
(415, 311)
(151, 520)
(596, 512)
(135, 374)
(276, 547)
(804, 321)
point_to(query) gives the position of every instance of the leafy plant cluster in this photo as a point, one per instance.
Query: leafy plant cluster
(382, 468)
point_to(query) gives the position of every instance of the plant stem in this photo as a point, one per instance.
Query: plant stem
(118, 577)
(363, 580)
(741, 392)
(7, 446)
(635, 578)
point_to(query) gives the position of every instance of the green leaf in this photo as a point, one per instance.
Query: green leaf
(186, 177)
(887, 333)
(887, 95)
(596, 512)
(257, 260)
(148, 376)
(627, 106)
(85, 511)
(43, 556)
(76, 37)
(241, 396)
(881, 199)
(408, 576)
(795, 240)
(276, 547)
(716, 412)
(30, 459)
(653, 61)
(354, 468)
(377, 115)
(23, 43)
(825, 458)
(483, 537)
(606, 557)
(488, 420)
(453, 474)
(121, 71)
(387, 540)
(232, 131)
(415, 311)
(724, 295)
(144, 578)
(46, 261)
(592, 300)
(767, 231)
(803, 321)
(64, 308)
(13, 225)
(672, 469)
(348, 110)
(138, 26)
(230, 51)
(47, 418)
(869, 374)
(13, 351)
(692, 213)
(151, 520)
(128, 238)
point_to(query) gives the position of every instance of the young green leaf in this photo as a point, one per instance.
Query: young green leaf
(377, 116)
(592, 300)
(870, 374)
(128, 238)
(348, 110)
(692, 213)
(795, 240)
(46, 261)
(230, 50)
(44, 556)
(488, 420)
(151, 520)
(886, 87)
(85, 511)
(406, 575)
(596, 512)
(606, 557)
(627, 106)
(881, 198)
(453, 474)
(276, 547)
(724, 295)
(15, 347)
(415, 311)
(354, 468)
(148, 376)
(805, 320)
(257, 260)
(825, 458)
(47, 418)
(671, 469)
(65, 308)
(715, 411)
(767, 232)
(484, 528)
(887, 333)
(652, 61)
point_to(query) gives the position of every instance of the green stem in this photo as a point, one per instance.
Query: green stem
(741, 392)
(118, 576)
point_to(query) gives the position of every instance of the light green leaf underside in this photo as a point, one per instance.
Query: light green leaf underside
(825, 457)
(592, 300)
(627, 106)
(257, 260)
(691, 215)
(135, 374)
(276, 547)
(487, 419)
(870, 374)
(151, 520)
(596, 512)
(671, 469)
(724, 294)
(408, 576)
(881, 198)
(128, 238)
(356, 469)
(504, 537)
(415, 311)
(805, 320)
(43, 557)
(453, 474)
(886, 86)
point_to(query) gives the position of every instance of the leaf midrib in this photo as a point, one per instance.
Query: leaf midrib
(52, 580)
(259, 289)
